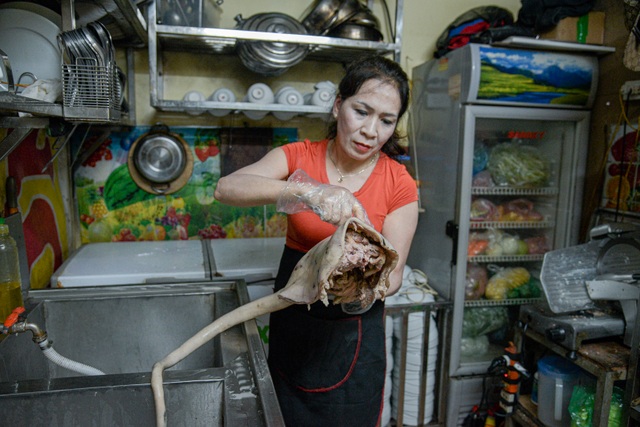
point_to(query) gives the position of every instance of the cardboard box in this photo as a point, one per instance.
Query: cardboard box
(587, 29)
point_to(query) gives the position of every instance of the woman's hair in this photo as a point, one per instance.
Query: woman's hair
(385, 70)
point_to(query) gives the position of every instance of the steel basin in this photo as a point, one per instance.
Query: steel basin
(123, 331)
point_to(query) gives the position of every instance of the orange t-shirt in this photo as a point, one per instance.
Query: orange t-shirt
(388, 188)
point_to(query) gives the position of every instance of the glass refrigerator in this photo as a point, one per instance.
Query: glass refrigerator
(498, 142)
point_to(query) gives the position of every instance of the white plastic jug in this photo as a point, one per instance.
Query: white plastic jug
(557, 377)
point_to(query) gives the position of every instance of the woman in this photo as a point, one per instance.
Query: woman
(328, 363)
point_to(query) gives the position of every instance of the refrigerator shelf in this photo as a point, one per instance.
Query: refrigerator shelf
(500, 302)
(505, 258)
(514, 191)
(476, 225)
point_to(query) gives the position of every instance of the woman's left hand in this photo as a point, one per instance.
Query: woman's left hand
(333, 204)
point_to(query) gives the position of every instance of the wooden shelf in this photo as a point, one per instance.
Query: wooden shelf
(607, 361)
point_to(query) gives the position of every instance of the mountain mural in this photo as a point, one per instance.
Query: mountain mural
(549, 68)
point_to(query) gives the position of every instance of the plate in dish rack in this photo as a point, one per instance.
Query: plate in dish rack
(28, 35)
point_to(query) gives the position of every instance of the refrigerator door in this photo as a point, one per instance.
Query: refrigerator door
(499, 191)
(522, 174)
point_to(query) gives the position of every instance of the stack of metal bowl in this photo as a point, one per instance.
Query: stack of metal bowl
(349, 19)
(270, 58)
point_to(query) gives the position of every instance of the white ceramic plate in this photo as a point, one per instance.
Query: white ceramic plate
(28, 37)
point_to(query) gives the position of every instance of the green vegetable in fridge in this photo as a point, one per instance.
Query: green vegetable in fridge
(518, 165)
(478, 321)
(581, 406)
(120, 189)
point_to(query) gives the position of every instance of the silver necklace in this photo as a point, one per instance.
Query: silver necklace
(342, 176)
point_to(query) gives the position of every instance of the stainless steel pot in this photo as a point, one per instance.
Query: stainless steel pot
(160, 161)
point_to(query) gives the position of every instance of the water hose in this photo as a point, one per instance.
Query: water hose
(16, 323)
(65, 362)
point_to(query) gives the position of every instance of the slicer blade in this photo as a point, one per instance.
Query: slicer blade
(564, 274)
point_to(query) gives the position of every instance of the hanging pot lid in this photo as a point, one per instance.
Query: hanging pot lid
(160, 161)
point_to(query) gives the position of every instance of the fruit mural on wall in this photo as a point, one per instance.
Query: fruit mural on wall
(40, 203)
(621, 188)
(112, 207)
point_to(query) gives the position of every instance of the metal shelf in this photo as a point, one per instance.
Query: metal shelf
(126, 26)
(12, 103)
(221, 41)
(181, 106)
(500, 302)
(479, 225)
(514, 191)
(505, 258)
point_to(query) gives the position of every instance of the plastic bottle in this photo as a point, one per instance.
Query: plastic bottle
(10, 283)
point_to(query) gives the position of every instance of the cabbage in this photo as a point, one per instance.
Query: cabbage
(518, 165)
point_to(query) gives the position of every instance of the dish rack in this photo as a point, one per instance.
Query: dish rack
(91, 91)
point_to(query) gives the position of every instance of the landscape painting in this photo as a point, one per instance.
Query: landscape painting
(535, 77)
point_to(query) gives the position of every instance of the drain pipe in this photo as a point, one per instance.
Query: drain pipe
(16, 323)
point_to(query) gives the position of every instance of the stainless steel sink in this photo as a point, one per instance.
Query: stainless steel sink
(123, 331)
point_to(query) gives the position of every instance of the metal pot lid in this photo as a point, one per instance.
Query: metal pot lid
(160, 158)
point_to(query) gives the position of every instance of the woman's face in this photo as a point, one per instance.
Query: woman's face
(366, 120)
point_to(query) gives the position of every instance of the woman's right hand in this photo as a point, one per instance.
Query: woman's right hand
(333, 204)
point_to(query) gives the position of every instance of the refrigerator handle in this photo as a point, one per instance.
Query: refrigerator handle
(451, 230)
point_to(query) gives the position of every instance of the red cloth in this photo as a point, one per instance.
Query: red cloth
(388, 188)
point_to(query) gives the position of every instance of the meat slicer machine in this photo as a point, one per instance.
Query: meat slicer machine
(592, 290)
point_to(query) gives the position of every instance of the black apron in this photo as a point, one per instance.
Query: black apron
(328, 367)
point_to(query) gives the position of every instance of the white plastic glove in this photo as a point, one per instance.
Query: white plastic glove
(333, 204)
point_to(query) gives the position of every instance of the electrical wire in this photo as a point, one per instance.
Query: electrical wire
(621, 162)
(392, 32)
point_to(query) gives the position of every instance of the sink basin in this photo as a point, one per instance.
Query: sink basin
(123, 331)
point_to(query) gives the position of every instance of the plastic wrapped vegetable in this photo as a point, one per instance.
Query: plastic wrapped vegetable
(474, 346)
(518, 165)
(480, 157)
(501, 243)
(476, 281)
(478, 321)
(478, 243)
(581, 406)
(530, 289)
(483, 210)
(537, 245)
(506, 280)
(518, 210)
(482, 179)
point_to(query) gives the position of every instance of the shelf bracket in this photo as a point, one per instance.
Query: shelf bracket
(12, 140)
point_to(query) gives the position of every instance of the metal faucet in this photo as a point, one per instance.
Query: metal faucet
(16, 323)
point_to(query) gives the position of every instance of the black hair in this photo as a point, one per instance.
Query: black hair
(365, 68)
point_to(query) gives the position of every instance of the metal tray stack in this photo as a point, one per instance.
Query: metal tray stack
(91, 84)
(91, 92)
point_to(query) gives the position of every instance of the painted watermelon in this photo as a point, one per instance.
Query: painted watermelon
(120, 189)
